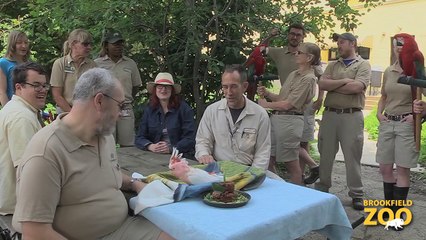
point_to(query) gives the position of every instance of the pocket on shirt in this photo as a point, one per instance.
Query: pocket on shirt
(248, 140)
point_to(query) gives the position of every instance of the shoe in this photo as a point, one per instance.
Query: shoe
(357, 204)
(313, 175)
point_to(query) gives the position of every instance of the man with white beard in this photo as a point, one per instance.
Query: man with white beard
(69, 181)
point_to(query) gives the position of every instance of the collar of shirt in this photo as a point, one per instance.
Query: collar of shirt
(18, 98)
(159, 110)
(68, 139)
(287, 51)
(307, 71)
(395, 67)
(106, 58)
(356, 59)
(70, 60)
(248, 109)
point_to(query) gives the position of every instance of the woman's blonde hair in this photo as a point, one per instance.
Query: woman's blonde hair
(77, 35)
(14, 37)
(314, 50)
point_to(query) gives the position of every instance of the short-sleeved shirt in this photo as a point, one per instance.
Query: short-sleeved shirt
(284, 60)
(6, 66)
(286, 63)
(70, 184)
(18, 124)
(398, 96)
(65, 74)
(359, 70)
(125, 70)
(299, 89)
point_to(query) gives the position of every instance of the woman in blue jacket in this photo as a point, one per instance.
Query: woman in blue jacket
(167, 121)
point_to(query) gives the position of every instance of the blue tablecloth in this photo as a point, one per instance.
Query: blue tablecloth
(277, 210)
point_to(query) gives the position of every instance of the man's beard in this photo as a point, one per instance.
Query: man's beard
(293, 43)
(106, 128)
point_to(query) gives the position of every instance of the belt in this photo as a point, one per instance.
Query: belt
(287, 113)
(396, 117)
(344, 110)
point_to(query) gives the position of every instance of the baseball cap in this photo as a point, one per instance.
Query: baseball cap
(345, 36)
(113, 36)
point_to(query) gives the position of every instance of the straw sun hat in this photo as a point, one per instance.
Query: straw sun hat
(163, 78)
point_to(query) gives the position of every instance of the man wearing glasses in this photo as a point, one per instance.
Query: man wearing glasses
(20, 119)
(285, 62)
(69, 180)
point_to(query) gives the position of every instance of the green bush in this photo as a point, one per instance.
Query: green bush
(371, 124)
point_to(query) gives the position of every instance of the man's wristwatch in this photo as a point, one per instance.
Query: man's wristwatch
(132, 180)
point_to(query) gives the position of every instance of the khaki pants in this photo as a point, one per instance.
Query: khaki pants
(348, 130)
(125, 130)
(286, 131)
(135, 228)
(396, 144)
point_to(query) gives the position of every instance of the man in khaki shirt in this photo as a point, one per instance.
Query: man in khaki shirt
(285, 62)
(343, 122)
(19, 121)
(234, 128)
(69, 181)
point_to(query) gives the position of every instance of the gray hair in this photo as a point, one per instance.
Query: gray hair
(93, 81)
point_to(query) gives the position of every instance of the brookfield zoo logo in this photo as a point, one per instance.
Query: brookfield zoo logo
(395, 220)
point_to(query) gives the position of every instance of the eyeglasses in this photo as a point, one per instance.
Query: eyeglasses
(293, 34)
(300, 52)
(38, 87)
(86, 44)
(160, 86)
(122, 105)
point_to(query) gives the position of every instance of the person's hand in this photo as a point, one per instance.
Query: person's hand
(206, 159)
(408, 119)
(160, 147)
(261, 90)
(419, 106)
(262, 102)
(317, 105)
(137, 186)
(382, 118)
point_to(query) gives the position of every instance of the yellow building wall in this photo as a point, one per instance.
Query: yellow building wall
(381, 23)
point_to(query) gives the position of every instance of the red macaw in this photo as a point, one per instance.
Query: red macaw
(412, 64)
(255, 65)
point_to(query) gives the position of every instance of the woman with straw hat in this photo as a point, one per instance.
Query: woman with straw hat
(167, 121)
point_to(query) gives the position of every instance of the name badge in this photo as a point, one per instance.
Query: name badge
(125, 113)
(249, 130)
(69, 69)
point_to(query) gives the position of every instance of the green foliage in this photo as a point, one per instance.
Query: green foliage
(191, 39)
(371, 125)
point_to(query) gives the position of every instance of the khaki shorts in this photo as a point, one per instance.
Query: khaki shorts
(286, 132)
(135, 228)
(396, 144)
(125, 130)
(309, 124)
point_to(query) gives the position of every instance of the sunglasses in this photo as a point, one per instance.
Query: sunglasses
(86, 44)
(160, 86)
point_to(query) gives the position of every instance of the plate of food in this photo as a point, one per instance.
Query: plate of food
(224, 196)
